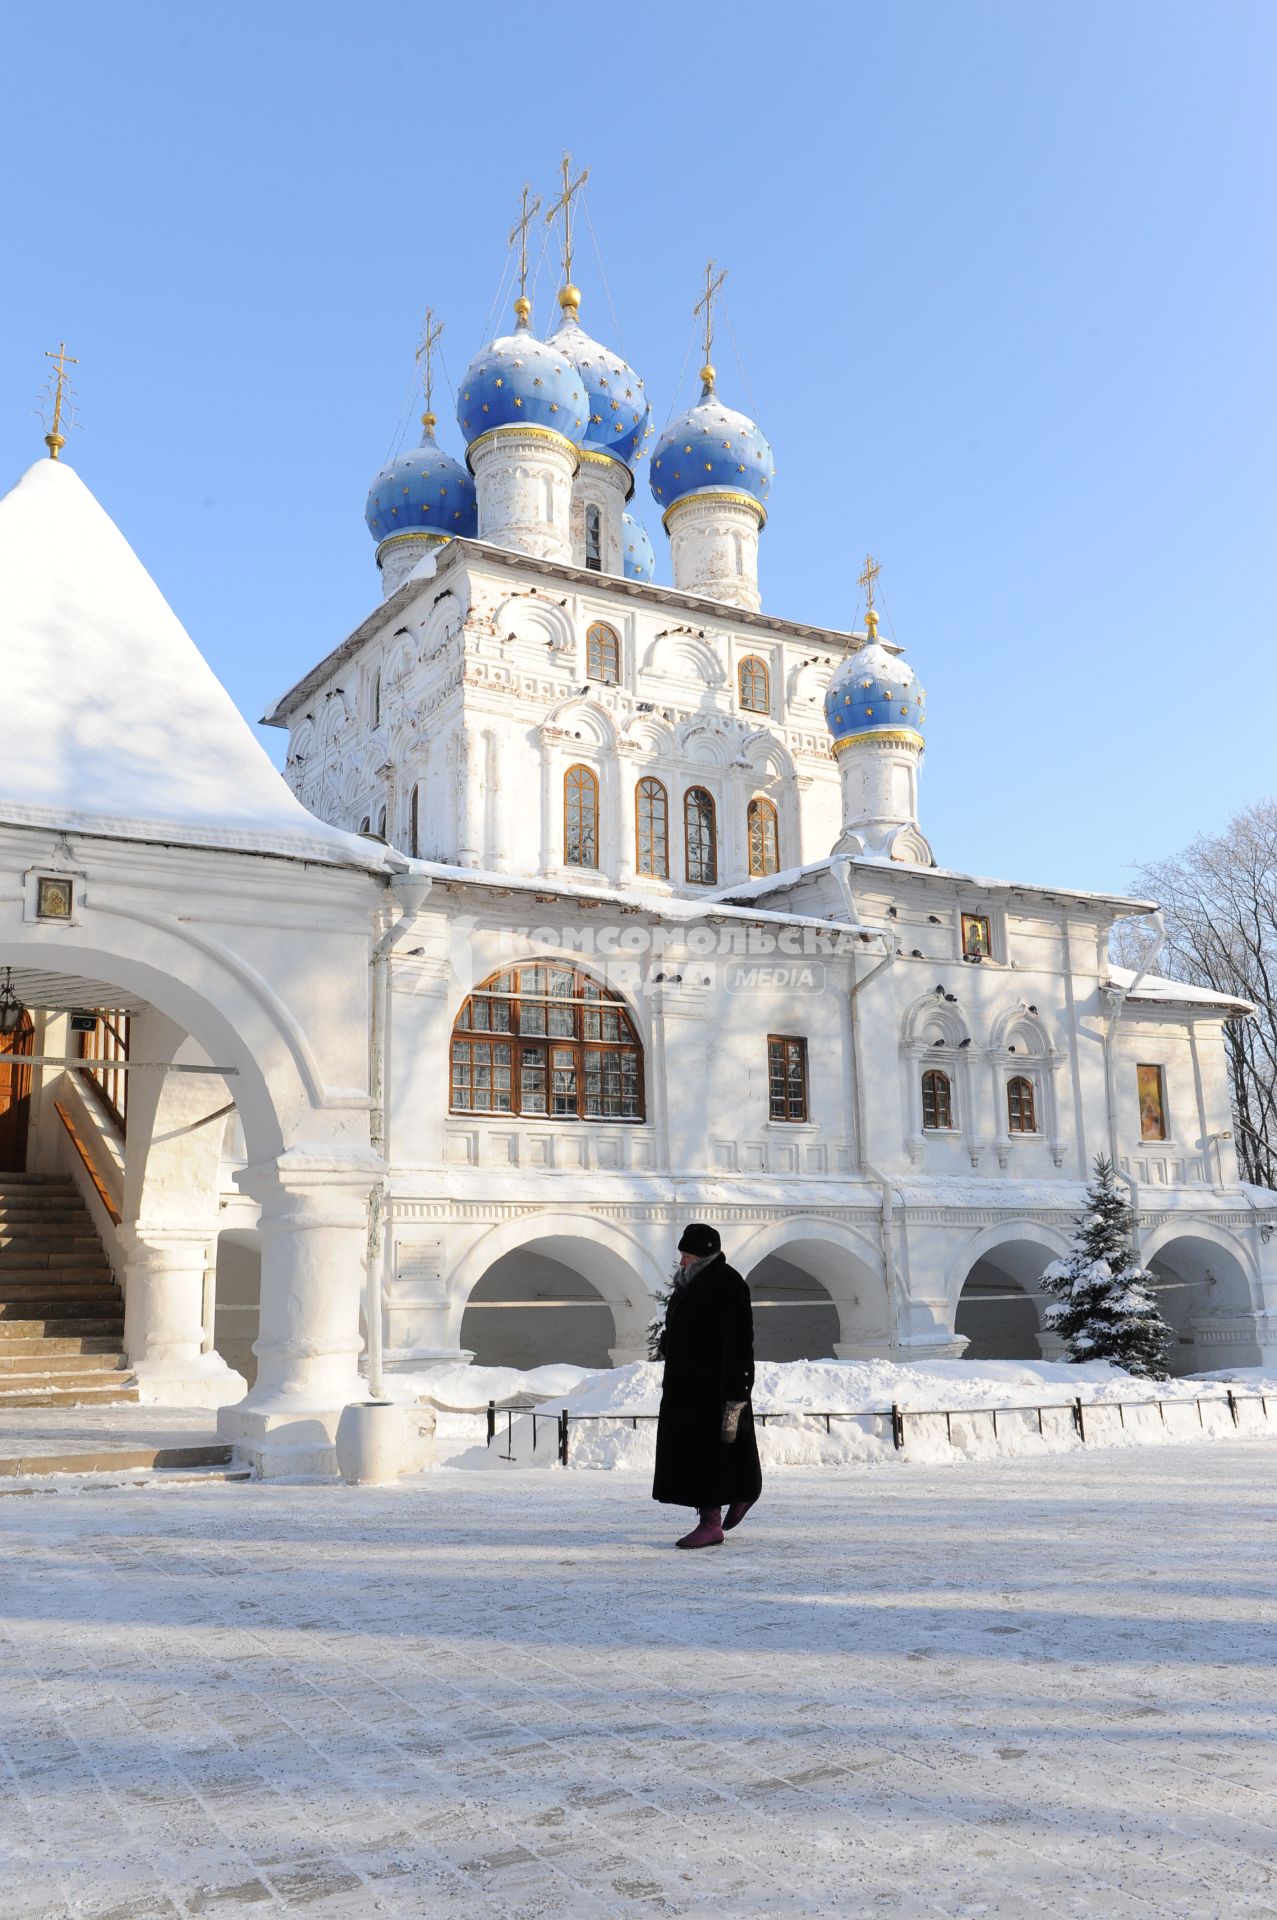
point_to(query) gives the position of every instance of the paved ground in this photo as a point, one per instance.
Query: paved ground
(1014, 1688)
(48, 1431)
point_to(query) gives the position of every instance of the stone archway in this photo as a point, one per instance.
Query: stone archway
(997, 1301)
(802, 1264)
(553, 1289)
(1204, 1287)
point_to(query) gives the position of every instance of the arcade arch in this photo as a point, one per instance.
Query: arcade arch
(819, 1291)
(995, 1292)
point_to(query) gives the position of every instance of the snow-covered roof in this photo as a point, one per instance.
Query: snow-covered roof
(115, 724)
(1176, 993)
(868, 868)
(662, 906)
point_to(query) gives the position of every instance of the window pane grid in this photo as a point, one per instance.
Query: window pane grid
(764, 838)
(571, 1050)
(651, 829)
(603, 654)
(786, 1077)
(752, 680)
(108, 1042)
(1021, 1106)
(937, 1102)
(701, 836)
(580, 818)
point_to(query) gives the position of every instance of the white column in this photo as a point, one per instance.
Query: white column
(467, 800)
(314, 1232)
(523, 479)
(164, 1319)
(714, 547)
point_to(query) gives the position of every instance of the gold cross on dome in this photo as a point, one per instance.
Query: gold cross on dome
(563, 205)
(866, 577)
(529, 208)
(705, 305)
(430, 336)
(54, 440)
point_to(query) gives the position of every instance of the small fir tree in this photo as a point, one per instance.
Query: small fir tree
(1106, 1310)
(656, 1325)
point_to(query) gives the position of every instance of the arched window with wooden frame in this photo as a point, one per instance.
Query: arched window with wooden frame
(764, 837)
(603, 654)
(1022, 1110)
(652, 829)
(700, 837)
(754, 684)
(937, 1102)
(580, 817)
(546, 1041)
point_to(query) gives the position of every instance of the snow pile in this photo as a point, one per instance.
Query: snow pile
(462, 1388)
(954, 1409)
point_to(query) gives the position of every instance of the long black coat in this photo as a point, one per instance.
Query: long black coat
(708, 1349)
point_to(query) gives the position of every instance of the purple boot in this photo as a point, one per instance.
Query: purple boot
(736, 1513)
(708, 1531)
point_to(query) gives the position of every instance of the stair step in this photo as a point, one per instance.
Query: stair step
(210, 1453)
(67, 1260)
(41, 1359)
(58, 1299)
(101, 1346)
(70, 1397)
(66, 1326)
(52, 1379)
(68, 1236)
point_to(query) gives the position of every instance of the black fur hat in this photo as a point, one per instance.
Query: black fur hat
(700, 1240)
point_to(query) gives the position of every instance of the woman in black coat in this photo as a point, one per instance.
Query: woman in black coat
(706, 1452)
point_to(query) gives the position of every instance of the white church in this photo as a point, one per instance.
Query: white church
(587, 905)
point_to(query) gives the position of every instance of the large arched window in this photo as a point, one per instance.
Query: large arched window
(937, 1102)
(700, 834)
(603, 654)
(753, 681)
(546, 1040)
(652, 829)
(580, 818)
(1022, 1112)
(764, 837)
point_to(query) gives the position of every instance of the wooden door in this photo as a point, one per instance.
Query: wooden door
(15, 1097)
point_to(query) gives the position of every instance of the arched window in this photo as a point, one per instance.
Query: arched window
(374, 699)
(764, 838)
(937, 1102)
(1022, 1113)
(603, 654)
(546, 1040)
(700, 834)
(594, 539)
(414, 822)
(381, 824)
(652, 829)
(580, 818)
(365, 825)
(754, 683)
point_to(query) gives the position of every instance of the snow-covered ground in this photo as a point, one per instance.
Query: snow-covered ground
(1025, 1690)
(950, 1407)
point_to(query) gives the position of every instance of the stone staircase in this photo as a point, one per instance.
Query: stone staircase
(61, 1313)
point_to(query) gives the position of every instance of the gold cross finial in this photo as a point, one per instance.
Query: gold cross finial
(705, 305)
(55, 439)
(563, 205)
(430, 335)
(529, 208)
(866, 578)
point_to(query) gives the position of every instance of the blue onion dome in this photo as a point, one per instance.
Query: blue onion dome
(874, 692)
(422, 488)
(520, 381)
(711, 449)
(620, 414)
(640, 561)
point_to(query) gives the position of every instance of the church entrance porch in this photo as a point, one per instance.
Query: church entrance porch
(15, 1090)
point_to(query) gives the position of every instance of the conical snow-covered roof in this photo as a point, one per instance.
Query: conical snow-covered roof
(114, 723)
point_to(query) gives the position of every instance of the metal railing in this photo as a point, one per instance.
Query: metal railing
(564, 1420)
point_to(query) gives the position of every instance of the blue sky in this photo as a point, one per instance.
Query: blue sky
(1001, 280)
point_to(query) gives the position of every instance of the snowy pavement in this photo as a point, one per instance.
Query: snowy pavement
(1014, 1688)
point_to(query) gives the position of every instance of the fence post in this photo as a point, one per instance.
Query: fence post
(1232, 1407)
(563, 1438)
(1078, 1419)
(897, 1427)
(492, 1421)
